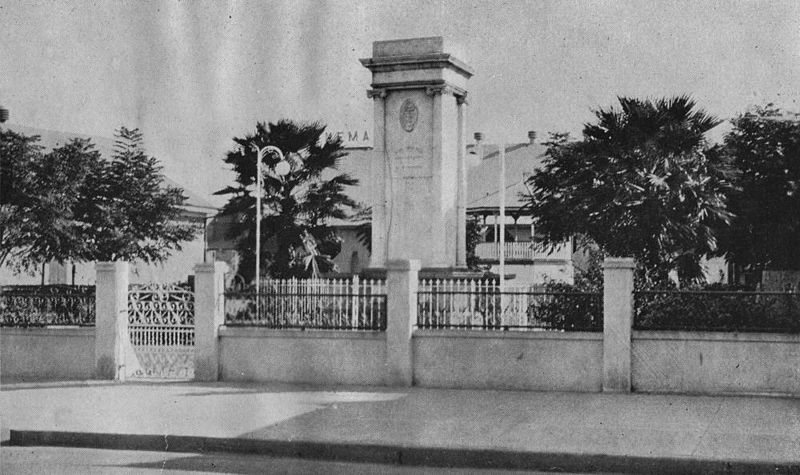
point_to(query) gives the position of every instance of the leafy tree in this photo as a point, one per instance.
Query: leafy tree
(473, 228)
(363, 215)
(297, 239)
(130, 212)
(72, 204)
(642, 182)
(764, 147)
(18, 154)
(60, 184)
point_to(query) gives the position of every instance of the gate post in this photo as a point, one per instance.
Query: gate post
(617, 323)
(209, 315)
(111, 325)
(402, 281)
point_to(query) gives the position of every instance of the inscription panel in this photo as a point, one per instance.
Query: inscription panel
(410, 162)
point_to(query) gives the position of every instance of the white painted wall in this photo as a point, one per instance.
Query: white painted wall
(40, 354)
(541, 361)
(295, 356)
(538, 272)
(351, 244)
(714, 363)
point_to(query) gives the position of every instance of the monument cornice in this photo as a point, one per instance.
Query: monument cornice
(431, 87)
(416, 62)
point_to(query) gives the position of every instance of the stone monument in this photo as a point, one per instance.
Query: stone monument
(418, 169)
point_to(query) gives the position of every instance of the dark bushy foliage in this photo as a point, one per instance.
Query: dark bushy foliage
(577, 306)
(764, 147)
(717, 310)
(562, 308)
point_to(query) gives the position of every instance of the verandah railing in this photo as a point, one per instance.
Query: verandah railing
(47, 305)
(725, 311)
(475, 304)
(329, 304)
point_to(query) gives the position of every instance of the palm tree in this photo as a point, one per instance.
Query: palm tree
(642, 182)
(297, 208)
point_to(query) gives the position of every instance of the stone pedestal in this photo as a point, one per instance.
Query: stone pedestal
(617, 323)
(418, 168)
(111, 324)
(402, 281)
(209, 315)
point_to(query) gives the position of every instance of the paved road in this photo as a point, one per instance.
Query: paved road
(623, 432)
(46, 460)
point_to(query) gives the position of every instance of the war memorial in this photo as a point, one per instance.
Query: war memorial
(396, 353)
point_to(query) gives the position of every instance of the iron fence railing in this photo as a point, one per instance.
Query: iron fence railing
(481, 305)
(47, 305)
(775, 312)
(327, 304)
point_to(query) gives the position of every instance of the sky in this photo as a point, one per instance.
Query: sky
(192, 75)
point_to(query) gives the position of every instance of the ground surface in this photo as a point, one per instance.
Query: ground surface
(450, 424)
(61, 460)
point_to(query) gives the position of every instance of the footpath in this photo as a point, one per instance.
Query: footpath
(574, 432)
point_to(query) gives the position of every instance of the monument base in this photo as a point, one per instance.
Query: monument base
(428, 273)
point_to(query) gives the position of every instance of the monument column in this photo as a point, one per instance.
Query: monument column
(461, 240)
(418, 171)
(378, 175)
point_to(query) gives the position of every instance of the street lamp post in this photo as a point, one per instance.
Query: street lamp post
(282, 168)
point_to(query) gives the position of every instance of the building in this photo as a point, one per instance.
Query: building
(527, 258)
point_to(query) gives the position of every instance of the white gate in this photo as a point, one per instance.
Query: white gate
(161, 331)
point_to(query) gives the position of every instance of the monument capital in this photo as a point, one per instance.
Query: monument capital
(440, 89)
(373, 93)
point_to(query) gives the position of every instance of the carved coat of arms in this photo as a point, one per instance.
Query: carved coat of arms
(408, 115)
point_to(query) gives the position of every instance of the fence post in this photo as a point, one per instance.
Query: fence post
(209, 315)
(401, 316)
(354, 290)
(111, 325)
(617, 323)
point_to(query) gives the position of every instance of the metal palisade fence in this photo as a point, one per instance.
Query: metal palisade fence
(329, 304)
(480, 304)
(47, 305)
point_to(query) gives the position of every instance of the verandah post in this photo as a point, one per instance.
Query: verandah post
(617, 323)
(401, 288)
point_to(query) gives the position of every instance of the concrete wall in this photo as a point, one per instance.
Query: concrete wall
(38, 354)
(714, 363)
(295, 356)
(550, 361)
